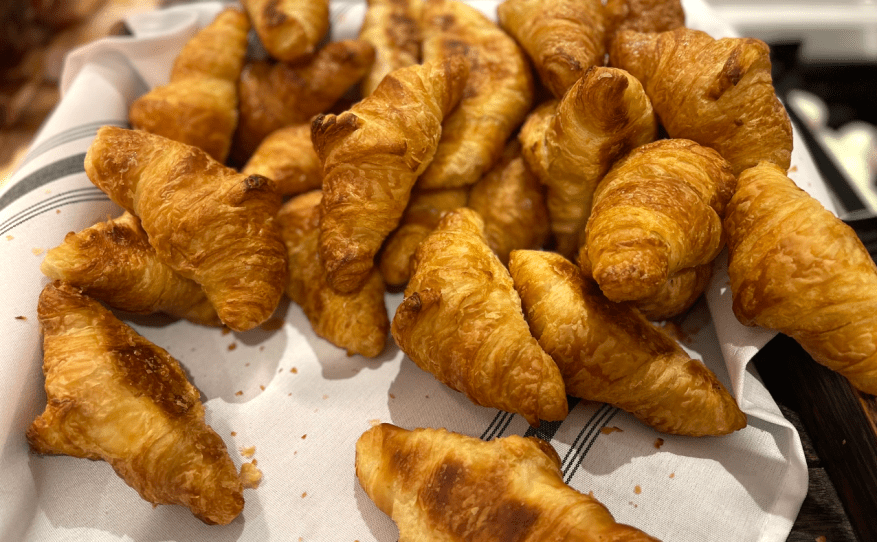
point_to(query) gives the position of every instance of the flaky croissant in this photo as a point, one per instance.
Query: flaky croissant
(643, 16)
(798, 269)
(289, 29)
(287, 156)
(658, 211)
(572, 144)
(208, 222)
(498, 94)
(678, 294)
(115, 396)
(199, 106)
(372, 155)
(461, 320)
(393, 28)
(113, 261)
(563, 38)
(717, 92)
(443, 486)
(609, 352)
(357, 321)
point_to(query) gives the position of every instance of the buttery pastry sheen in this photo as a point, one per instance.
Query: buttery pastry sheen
(289, 29)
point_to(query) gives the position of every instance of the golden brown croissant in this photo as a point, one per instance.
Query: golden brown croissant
(643, 16)
(393, 28)
(658, 211)
(609, 352)
(443, 486)
(678, 294)
(571, 146)
(716, 92)
(357, 321)
(115, 396)
(207, 222)
(461, 320)
(275, 95)
(498, 94)
(511, 201)
(199, 106)
(114, 262)
(798, 269)
(372, 155)
(289, 29)
(562, 38)
(425, 208)
(287, 156)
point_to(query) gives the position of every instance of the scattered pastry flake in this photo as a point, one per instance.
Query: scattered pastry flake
(792, 170)
(659, 442)
(248, 452)
(374, 422)
(672, 475)
(247, 364)
(294, 371)
(234, 433)
(232, 346)
(613, 429)
(261, 387)
(272, 324)
(637, 490)
(37, 251)
(325, 397)
(239, 393)
(225, 331)
(289, 394)
(392, 396)
(304, 436)
(9, 238)
(250, 475)
(305, 494)
(21, 317)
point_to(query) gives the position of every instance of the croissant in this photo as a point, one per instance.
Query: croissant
(425, 208)
(562, 38)
(643, 16)
(287, 156)
(658, 211)
(498, 94)
(717, 92)
(511, 201)
(393, 28)
(371, 156)
(357, 321)
(443, 486)
(609, 352)
(275, 95)
(207, 222)
(572, 144)
(115, 396)
(678, 294)
(199, 106)
(289, 29)
(461, 321)
(113, 261)
(798, 269)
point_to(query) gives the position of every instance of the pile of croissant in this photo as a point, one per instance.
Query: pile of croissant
(542, 188)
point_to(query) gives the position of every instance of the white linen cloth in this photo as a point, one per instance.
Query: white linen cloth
(302, 403)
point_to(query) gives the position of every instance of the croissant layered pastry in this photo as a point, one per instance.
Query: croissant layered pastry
(497, 97)
(609, 352)
(643, 16)
(357, 321)
(678, 294)
(393, 29)
(208, 222)
(657, 212)
(113, 395)
(199, 106)
(287, 156)
(289, 29)
(570, 144)
(562, 38)
(113, 261)
(717, 92)
(438, 485)
(461, 321)
(371, 155)
(798, 269)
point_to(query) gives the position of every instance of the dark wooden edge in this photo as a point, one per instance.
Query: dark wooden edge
(839, 419)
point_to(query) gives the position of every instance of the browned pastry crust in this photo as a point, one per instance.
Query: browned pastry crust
(657, 212)
(443, 486)
(609, 352)
(643, 16)
(425, 209)
(717, 92)
(275, 95)
(563, 38)
(357, 321)
(572, 143)
(287, 156)
(511, 201)
(798, 269)
(289, 29)
(372, 155)
(208, 222)
(678, 294)
(113, 261)
(113, 395)
(461, 320)
(393, 28)
(498, 94)
(199, 106)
